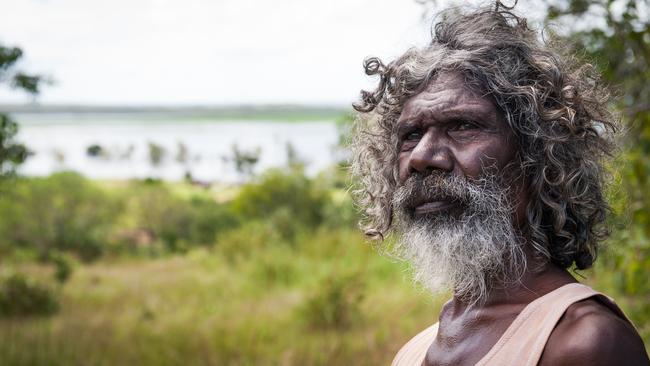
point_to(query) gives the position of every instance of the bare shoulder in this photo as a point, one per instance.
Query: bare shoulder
(589, 333)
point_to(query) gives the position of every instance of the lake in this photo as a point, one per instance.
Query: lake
(119, 146)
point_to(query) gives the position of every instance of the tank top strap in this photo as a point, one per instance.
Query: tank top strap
(524, 340)
(415, 350)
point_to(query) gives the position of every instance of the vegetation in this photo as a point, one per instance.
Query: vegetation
(276, 275)
(12, 154)
(19, 296)
(270, 113)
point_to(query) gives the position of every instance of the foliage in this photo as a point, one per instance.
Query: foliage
(182, 153)
(258, 282)
(9, 57)
(175, 222)
(344, 126)
(294, 161)
(157, 153)
(247, 239)
(63, 265)
(12, 153)
(20, 296)
(95, 150)
(287, 195)
(244, 160)
(61, 212)
(66, 213)
(335, 303)
(201, 308)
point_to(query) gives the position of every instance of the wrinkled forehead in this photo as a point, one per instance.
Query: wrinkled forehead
(450, 93)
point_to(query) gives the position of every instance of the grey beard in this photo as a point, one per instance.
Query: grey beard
(470, 253)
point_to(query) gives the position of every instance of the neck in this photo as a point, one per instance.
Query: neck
(531, 286)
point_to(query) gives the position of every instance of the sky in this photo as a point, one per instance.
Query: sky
(206, 52)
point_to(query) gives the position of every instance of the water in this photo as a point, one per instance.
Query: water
(60, 142)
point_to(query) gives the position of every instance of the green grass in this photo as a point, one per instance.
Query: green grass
(327, 299)
(284, 279)
(263, 308)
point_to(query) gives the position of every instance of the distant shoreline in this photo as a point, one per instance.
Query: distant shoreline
(286, 113)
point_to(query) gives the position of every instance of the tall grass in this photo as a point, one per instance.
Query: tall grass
(327, 300)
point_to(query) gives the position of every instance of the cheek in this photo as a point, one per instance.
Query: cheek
(492, 153)
(474, 160)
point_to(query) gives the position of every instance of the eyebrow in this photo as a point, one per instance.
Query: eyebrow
(473, 111)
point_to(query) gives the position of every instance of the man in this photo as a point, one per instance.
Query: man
(484, 151)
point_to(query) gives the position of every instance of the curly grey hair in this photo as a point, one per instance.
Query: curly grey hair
(554, 104)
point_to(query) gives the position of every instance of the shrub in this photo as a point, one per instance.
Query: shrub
(154, 209)
(61, 212)
(210, 220)
(335, 304)
(175, 221)
(249, 237)
(277, 190)
(340, 211)
(20, 296)
(275, 268)
(63, 266)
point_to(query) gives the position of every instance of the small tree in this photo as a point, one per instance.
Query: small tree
(157, 153)
(12, 153)
(245, 160)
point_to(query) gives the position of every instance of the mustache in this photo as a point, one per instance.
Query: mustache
(481, 195)
(419, 188)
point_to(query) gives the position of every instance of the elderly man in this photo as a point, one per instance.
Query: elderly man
(484, 151)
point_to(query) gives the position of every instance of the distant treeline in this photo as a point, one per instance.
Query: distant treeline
(272, 112)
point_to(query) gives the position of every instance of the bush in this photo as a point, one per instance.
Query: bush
(340, 212)
(63, 266)
(335, 304)
(21, 297)
(154, 209)
(275, 267)
(248, 238)
(175, 221)
(210, 220)
(276, 190)
(62, 212)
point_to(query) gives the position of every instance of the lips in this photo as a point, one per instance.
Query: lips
(434, 206)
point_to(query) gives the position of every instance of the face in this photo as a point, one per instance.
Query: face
(453, 206)
(451, 130)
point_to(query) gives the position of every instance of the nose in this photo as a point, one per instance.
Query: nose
(431, 153)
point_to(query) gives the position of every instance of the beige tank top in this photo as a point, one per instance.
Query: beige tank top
(523, 341)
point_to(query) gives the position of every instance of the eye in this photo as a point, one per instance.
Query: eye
(465, 125)
(412, 136)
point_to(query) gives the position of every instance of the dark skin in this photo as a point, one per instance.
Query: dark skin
(450, 128)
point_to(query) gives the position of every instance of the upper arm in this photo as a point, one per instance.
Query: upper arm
(590, 334)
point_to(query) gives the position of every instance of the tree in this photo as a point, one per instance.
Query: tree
(244, 160)
(621, 49)
(12, 153)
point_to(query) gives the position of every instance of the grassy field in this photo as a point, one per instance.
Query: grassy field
(269, 273)
(331, 300)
